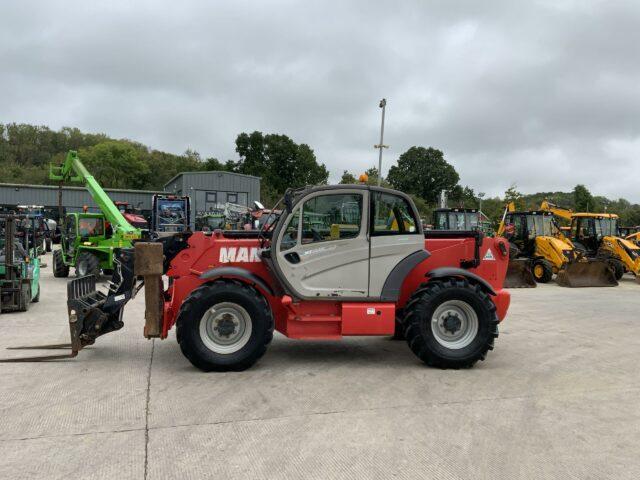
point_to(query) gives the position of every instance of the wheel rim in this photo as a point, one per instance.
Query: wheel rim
(225, 328)
(538, 271)
(454, 324)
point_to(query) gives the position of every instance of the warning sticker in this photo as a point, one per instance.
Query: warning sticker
(489, 255)
(371, 311)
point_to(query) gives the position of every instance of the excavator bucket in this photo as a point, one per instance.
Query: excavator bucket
(519, 274)
(92, 313)
(586, 274)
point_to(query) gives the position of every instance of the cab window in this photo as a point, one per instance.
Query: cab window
(392, 215)
(90, 227)
(290, 236)
(441, 221)
(331, 217)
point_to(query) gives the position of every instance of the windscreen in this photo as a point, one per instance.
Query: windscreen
(606, 227)
(90, 227)
(463, 221)
(539, 225)
(171, 215)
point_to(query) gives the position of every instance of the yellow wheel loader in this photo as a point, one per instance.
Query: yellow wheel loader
(595, 236)
(538, 244)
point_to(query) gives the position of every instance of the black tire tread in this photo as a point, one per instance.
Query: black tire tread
(413, 333)
(196, 297)
(547, 275)
(60, 270)
(93, 263)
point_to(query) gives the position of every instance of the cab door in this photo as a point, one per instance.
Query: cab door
(395, 235)
(323, 249)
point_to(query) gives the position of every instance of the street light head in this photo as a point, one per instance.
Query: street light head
(383, 103)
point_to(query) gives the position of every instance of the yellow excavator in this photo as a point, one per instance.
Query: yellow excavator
(595, 236)
(632, 234)
(538, 250)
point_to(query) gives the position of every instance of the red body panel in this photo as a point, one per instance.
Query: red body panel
(324, 319)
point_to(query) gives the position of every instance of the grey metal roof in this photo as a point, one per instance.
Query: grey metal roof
(70, 187)
(206, 172)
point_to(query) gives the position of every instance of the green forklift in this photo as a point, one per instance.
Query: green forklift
(19, 263)
(89, 239)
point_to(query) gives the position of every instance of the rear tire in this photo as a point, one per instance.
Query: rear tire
(224, 326)
(450, 323)
(87, 264)
(60, 270)
(542, 271)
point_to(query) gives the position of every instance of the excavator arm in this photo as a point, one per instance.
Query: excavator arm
(558, 211)
(509, 207)
(72, 170)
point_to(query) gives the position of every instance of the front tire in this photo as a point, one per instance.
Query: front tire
(542, 271)
(450, 323)
(224, 326)
(617, 266)
(60, 270)
(87, 264)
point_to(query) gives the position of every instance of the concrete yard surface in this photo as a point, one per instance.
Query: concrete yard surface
(557, 398)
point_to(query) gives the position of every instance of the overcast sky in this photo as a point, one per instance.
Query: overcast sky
(541, 94)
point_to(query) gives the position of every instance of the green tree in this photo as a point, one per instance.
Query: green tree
(116, 164)
(348, 178)
(582, 199)
(280, 162)
(423, 172)
(513, 195)
(463, 197)
(211, 164)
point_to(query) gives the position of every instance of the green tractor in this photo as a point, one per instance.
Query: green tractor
(89, 239)
(19, 263)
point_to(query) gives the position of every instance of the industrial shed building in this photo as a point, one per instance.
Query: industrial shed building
(73, 198)
(207, 189)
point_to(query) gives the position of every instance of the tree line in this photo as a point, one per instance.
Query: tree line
(423, 172)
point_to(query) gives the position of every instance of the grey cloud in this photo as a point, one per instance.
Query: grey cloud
(543, 94)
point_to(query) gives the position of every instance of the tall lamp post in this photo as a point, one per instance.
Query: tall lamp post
(381, 145)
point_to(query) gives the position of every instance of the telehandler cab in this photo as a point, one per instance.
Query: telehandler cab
(339, 261)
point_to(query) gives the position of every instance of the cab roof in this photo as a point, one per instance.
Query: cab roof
(531, 212)
(595, 215)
